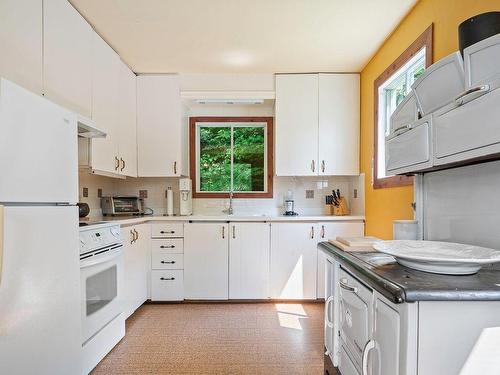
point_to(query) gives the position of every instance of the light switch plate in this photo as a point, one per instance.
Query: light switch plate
(85, 192)
(309, 194)
(143, 194)
(99, 193)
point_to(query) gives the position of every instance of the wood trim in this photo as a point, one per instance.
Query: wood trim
(270, 155)
(424, 40)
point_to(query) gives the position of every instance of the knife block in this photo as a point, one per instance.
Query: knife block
(341, 210)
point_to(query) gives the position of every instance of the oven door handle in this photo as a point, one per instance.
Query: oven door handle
(100, 259)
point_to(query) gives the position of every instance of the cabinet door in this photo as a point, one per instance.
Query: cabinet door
(67, 57)
(206, 247)
(127, 131)
(385, 356)
(331, 231)
(293, 261)
(21, 43)
(249, 260)
(296, 150)
(159, 136)
(105, 68)
(338, 124)
(137, 265)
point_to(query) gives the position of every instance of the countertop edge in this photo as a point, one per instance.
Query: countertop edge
(208, 218)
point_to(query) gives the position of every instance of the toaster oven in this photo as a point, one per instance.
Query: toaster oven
(122, 206)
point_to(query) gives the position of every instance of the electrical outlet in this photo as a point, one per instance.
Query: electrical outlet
(143, 194)
(309, 194)
(355, 193)
(85, 192)
(99, 193)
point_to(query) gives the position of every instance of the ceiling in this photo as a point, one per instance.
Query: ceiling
(244, 36)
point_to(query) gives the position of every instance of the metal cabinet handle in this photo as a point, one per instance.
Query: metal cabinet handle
(403, 129)
(167, 278)
(472, 94)
(364, 361)
(322, 231)
(223, 232)
(136, 234)
(175, 167)
(328, 302)
(167, 232)
(123, 164)
(167, 247)
(133, 236)
(312, 232)
(323, 166)
(234, 232)
(117, 163)
(164, 262)
(313, 165)
(2, 213)
(344, 285)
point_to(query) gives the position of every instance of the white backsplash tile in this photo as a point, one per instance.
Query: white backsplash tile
(157, 201)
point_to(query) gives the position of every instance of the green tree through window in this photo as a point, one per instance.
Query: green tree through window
(232, 155)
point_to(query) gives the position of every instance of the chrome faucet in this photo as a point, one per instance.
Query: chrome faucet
(230, 210)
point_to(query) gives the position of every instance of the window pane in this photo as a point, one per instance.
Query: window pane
(249, 158)
(215, 158)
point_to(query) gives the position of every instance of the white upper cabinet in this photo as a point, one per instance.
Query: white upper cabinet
(159, 126)
(338, 124)
(67, 57)
(317, 124)
(296, 147)
(21, 43)
(105, 78)
(127, 115)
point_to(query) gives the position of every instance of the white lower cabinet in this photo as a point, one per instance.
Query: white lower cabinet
(249, 260)
(293, 266)
(167, 285)
(136, 265)
(167, 262)
(206, 261)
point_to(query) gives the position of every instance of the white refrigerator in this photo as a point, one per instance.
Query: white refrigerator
(40, 322)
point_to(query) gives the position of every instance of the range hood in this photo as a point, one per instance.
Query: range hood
(88, 129)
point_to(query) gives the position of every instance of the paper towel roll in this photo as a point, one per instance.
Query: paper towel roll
(170, 202)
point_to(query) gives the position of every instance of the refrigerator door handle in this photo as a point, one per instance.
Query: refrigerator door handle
(2, 213)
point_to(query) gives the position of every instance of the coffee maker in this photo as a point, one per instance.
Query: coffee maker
(186, 196)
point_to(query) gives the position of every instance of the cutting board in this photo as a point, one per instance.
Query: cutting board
(344, 247)
(366, 241)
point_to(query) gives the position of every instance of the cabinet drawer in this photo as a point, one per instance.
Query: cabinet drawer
(167, 285)
(468, 131)
(355, 311)
(164, 260)
(162, 230)
(410, 151)
(172, 246)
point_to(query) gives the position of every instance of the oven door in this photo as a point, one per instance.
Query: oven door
(101, 279)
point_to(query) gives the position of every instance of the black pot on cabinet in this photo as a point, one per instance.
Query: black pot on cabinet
(477, 28)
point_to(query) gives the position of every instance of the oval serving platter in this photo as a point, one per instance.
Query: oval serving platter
(439, 257)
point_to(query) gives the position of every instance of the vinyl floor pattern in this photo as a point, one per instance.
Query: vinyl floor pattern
(220, 339)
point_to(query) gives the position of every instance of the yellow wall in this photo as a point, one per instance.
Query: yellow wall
(385, 205)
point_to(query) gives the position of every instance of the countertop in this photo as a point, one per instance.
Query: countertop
(134, 220)
(401, 284)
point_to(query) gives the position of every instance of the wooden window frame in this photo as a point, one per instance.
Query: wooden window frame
(424, 40)
(270, 156)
